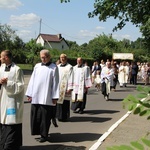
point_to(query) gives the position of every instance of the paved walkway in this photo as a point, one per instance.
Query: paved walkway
(79, 134)
(133, 128)
(127, 129)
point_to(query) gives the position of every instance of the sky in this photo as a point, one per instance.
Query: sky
(31, 17)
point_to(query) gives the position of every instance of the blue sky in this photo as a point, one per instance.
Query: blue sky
(69, 19)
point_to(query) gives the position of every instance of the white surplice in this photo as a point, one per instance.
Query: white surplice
(12, 95)
(81, 80)
(43, 85)
(107, 77)
(65, 82)
(123, 74)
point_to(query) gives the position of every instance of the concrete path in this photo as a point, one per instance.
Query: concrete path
(82, 131)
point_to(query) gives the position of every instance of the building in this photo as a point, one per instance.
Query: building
(52, 41)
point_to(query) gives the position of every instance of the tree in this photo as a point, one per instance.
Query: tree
(6, 37)
(9, 40)
(72, 45)
(103, 46)
(135, 11)
(145, 29)
(141, 108)
(32, 48)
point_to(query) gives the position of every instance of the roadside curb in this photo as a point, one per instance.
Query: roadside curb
(110, 130)
(105, 135)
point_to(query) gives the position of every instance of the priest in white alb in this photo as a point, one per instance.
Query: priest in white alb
(81, 83)
(65, 88)
(11, 103)
(43, 92)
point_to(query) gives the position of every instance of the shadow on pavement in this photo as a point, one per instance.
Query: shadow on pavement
(115, 100)
(52, 147)
(124, 90)
(94, 112)
(75, 137)
(88, 119)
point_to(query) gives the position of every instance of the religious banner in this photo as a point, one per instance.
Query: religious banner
(123, 56)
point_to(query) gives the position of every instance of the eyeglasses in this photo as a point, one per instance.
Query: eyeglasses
(44, 57)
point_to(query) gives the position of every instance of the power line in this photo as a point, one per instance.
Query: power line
(60, 32)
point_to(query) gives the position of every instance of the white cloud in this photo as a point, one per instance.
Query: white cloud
(100, 28)
(121, 37)
(10, 4)
(25, 35)
(126, 36)
(24, 20)
(86, 33)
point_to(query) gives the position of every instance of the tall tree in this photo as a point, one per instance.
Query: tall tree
(33, 49)
(6, 36)
(145, 29)
(134, 11)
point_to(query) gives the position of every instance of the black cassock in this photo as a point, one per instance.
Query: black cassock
(78, 104)
(10, 137)
(63, 111)
(103, 88)
(41, 116)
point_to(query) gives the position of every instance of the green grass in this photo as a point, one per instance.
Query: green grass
(25, 66)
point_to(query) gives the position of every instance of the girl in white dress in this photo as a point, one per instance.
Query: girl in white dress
(98, 80)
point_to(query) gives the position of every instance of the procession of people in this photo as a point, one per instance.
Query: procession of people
(55, 89)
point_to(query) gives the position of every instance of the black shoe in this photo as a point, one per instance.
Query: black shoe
(81, 112)
(42, 140)
(62, 120)
(54, 122)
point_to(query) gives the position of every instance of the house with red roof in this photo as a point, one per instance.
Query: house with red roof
(52, 41)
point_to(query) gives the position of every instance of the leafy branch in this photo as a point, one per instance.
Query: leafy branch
(138, 104)
(140, 145)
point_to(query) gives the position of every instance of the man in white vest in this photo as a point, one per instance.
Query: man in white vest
(107, 74)
(11, 103)
(43, 92)
(65, 88)
(81, 83)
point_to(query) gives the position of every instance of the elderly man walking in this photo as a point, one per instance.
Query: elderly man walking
(81, 83)
(43, 92)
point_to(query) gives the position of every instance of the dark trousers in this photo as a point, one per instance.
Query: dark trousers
(115, 81)
(41, 116)
(104, 89)
(11, 137)
(78, 104)
(63, 111)
(133, 79)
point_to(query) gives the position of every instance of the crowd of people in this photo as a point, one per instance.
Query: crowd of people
(54, 89)
(119, 73)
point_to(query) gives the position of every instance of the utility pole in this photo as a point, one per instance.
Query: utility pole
(40, 26)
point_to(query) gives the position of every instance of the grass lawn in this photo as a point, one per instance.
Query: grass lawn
(25, 66)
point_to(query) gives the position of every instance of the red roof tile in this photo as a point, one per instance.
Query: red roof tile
(51, 38)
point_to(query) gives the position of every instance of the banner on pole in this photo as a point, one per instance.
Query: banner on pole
(123, 56)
